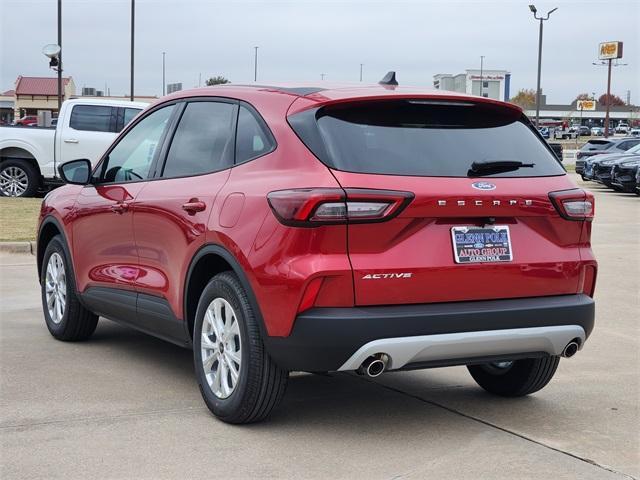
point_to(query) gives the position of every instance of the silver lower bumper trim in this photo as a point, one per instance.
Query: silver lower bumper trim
(516, 341)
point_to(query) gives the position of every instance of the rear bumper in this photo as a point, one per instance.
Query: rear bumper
(329, 339)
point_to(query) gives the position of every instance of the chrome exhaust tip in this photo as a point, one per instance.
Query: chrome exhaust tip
(571, 349)
(374, 366)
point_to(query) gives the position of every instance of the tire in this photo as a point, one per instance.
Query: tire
(75, 322)
(18, 178)
(260, 384)
(521, 377)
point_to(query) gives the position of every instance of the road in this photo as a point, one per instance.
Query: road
(125, 405)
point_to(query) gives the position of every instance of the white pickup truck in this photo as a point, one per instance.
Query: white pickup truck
(30, 156)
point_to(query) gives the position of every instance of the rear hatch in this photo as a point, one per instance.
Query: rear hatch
(469, 232)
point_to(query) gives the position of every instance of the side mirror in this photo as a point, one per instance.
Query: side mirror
(76, 172)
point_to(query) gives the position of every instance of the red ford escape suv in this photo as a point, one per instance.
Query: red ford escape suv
(365, 229)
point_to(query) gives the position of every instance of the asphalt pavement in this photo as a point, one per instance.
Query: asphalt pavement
(124, 405)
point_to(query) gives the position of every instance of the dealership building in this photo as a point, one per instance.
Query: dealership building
(486, 83)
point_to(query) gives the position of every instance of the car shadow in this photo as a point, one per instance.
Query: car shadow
(335, 401)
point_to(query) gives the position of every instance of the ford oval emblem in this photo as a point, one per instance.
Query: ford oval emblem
(483, 186)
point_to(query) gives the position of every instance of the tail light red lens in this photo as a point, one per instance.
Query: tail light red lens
(313, 207)
(575, 204)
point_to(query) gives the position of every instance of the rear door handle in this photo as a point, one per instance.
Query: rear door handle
(71, 140)
(194, 206)
(120, 207)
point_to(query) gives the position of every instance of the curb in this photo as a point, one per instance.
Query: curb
(18, 247)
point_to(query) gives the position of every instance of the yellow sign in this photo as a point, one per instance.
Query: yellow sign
(609, 50)
(586, 105)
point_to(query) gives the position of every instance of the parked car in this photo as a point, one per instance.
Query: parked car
(623, 128)
(638, 181)
(598, 167)
(601, 147)
(557, 150)
(635, 132)
(29, 157)
(565, 133)
(584, 131)
(27, 120)
(597, 131)
(273, 230)
(624, 174)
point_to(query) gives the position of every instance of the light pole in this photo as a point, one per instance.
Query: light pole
(481, 72)
(133, 23)
(164, 83)
(59, 56)
(361, 71)
(322, 76)
(541, 20)
(255, 64)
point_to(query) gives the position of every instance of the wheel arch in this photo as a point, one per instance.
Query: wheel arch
(49, 228)
(19, 152)
(208, 261)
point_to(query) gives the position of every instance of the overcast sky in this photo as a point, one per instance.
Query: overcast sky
(300, 40)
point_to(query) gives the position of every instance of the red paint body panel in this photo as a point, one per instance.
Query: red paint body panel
(149, 247)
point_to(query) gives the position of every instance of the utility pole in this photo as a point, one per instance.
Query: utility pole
(361, 71)
(322, 76)
(164, 83)
(133, 23)
(60, 57)
(255, 65)
(481, 72)
(541, 20)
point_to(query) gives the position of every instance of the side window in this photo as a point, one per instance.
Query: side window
(131, 158)
(203, 141)
(251, 139)
(628, 144)
(92, 118)
(129, 114)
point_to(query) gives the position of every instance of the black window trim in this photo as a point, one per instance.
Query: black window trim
(263, 126)
(97, 171)
(173, 127)
(113, 117)
(157, 165)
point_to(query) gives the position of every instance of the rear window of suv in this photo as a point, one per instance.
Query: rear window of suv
(423, 138)
(596, 145)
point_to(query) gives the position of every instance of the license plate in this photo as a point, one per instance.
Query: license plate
(481, 244)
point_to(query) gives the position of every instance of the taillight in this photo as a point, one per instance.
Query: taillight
(575, 204)
(312, 207)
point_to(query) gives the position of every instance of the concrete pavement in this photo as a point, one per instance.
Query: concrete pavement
(124, 405)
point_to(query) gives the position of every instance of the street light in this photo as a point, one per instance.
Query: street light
(481, 67)
(534, 10)
(164, 83)
(255, 64)
(133, 24)
(361, 71)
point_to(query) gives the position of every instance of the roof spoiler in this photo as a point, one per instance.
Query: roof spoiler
(389, 79)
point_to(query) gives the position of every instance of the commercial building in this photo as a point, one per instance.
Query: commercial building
(486, 83)
(33, 94)
(552, 113)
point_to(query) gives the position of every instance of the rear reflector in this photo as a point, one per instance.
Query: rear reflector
(575, 204)
(312, 207)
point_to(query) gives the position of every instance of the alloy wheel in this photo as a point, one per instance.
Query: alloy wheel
(56, 288)
(221, 348)
(13, 181)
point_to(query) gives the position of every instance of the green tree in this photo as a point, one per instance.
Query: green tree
(525, 98)
(613, 100)
(218, 80)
